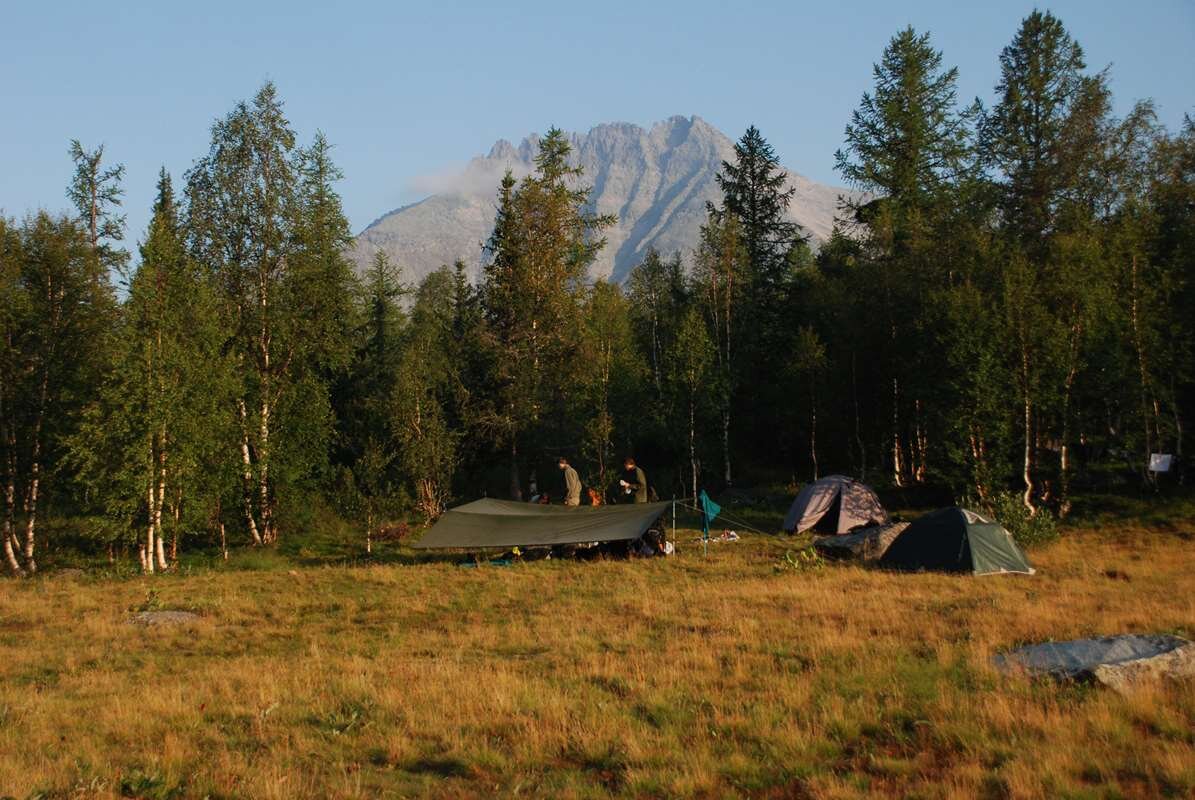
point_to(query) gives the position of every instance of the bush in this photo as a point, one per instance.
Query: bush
(1008, 509)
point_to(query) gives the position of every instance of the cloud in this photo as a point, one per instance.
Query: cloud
(480, 176)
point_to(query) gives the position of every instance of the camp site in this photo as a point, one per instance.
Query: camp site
(588, 401)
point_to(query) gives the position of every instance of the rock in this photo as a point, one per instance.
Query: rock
(154, 618)
(1118, 662)
(867, 544)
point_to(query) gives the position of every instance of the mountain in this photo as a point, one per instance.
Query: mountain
(657, 181)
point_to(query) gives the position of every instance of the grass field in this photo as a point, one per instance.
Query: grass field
(702, 677)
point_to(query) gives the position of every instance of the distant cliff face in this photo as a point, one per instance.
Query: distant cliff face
(657, 181)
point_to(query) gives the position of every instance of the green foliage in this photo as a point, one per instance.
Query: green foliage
(1007, 303)
(1008, 509)
(543, 242)
(96, 193)
(807, 559)
(264, 221)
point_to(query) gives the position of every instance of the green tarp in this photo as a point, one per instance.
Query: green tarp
(504, 523)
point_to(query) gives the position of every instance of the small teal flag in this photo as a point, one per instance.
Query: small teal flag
(709, 510)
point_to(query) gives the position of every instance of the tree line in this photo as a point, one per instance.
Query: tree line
(1005, 304)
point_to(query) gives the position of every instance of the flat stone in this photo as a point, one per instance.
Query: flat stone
(867, 544)
(1118, 662)
(154, 618)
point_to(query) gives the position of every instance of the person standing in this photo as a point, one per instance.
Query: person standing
(572, 483)
(633, 480)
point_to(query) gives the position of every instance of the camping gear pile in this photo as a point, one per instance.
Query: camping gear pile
(865, 544)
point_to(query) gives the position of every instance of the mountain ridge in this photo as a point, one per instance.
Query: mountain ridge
(657, 180)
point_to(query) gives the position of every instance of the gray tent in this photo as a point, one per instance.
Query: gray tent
(835, 504)
(504, 523)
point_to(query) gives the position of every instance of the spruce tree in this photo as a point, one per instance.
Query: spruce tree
(753, 190)
(544, 241)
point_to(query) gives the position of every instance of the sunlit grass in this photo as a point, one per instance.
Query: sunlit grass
(692, 676)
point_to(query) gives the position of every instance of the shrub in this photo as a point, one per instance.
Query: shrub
(1008, 509)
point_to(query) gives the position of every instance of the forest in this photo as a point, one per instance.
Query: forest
(1006, 313)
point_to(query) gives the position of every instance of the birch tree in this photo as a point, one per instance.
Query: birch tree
(151, 442)
(721, 281)
(264, 219)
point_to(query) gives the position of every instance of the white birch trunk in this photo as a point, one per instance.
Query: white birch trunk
(247, 474)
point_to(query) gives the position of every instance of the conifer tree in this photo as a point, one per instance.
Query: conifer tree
(907, 150)
(543, 243)
(96, 193)
(1045, 138)
(753, 190)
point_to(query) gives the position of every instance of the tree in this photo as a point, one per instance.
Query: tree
(690, 358)
(1045, 138)
(611, 374)
(753, 192)
(907, 150)
(657, 294)
(808, 362)
(264, 219)
(153, 437)
(907, 143)
(543, 243)
(425, 444)
(720, 275)
(96, 193)
(56, 312)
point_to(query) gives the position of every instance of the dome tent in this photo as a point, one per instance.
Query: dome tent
(834, 504)
(956, 540)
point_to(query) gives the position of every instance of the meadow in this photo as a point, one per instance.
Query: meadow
(721, 676)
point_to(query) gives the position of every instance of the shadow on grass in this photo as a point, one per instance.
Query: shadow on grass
(441, 766)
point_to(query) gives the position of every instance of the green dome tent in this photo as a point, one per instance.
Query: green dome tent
(956, 540)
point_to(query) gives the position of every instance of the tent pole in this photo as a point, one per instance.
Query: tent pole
(673, 520)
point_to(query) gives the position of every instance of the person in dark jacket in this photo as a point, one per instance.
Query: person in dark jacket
(633, 481)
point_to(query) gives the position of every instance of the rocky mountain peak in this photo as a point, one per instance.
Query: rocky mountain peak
(657, 181)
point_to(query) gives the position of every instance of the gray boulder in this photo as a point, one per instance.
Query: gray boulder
(867, 544)
(1118, 662)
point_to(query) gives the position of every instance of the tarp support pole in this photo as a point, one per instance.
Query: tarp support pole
(673, 520)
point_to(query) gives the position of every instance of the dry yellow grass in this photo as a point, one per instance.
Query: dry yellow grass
(684, 677)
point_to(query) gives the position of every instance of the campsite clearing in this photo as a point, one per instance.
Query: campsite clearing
(662, 677)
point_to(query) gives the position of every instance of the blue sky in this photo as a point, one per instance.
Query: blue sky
(404, 89)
